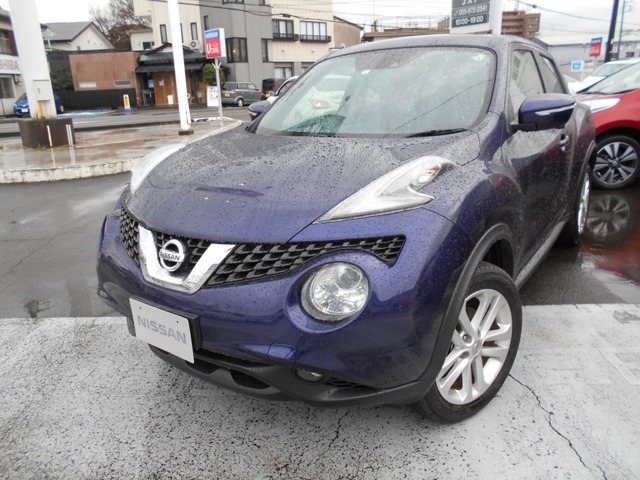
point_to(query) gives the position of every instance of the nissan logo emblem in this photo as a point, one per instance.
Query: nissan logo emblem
(172, 255)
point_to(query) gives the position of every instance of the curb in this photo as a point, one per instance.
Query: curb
(87, 170)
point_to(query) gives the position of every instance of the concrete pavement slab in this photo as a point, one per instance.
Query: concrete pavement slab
(82, 399)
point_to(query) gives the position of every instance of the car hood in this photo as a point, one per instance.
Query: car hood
(22, 104)
(240, 186)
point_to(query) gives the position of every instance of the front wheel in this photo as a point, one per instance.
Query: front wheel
(617, 164)
(482, 348)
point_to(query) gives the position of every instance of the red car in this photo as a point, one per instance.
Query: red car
(615, 103)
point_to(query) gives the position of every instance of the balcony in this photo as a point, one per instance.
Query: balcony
(286, 36)
(315, 38)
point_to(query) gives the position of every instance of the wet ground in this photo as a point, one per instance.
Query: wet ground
(96, 146)
(612, 240)
(606, 267)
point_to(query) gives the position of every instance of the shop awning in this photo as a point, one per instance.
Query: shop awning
(167, 67)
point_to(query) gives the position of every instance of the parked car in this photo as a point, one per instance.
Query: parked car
(350, 249)
(270, 86)
(615, 102)
(605, 70)
(239, 93)
(573, 84)
(21, 107)
(256, 109)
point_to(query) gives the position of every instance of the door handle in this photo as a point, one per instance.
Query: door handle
(564, 140)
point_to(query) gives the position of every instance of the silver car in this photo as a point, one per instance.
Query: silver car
(239, 93)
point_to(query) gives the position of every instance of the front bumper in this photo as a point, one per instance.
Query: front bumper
(253, 337)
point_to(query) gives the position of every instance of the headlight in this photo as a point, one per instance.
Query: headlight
(601, 104)
(335, 292)
(395, 191)
(143, 167)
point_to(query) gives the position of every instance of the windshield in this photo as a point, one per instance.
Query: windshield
(625, 80)
(609, 69)
(399, 92)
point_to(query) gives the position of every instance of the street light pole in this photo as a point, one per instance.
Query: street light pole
(178, 66)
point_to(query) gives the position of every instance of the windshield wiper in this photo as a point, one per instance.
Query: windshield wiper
(433, 133)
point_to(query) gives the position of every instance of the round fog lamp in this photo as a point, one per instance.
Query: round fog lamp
(309, 376)
(335, 292)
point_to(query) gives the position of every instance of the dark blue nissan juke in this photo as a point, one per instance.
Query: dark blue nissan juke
(363, 241)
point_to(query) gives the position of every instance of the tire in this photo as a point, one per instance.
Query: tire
(573, 230)
(617, 163)
(485, 340)
(240, 102)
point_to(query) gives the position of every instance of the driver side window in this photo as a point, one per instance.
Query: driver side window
(525, 80)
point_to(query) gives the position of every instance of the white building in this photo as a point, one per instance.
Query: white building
(75, 36)
(141, 39)
(568, 49)
(303, 32)
(11, 85)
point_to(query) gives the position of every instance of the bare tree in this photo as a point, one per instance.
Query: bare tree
(115, 20)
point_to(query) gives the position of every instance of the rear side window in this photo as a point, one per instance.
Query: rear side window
(525, 79)
(550, 76)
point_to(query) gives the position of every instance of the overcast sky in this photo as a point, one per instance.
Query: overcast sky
(566, 18)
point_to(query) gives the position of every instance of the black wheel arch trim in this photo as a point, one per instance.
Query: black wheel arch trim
(456, 292)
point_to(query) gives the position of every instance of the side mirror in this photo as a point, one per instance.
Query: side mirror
(545, 111)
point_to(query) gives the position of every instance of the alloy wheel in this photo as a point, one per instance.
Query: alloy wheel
(616, 164)
(479, 347)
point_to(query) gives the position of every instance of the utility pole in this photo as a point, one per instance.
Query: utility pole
(612, 31)
(624, 7)
(44, 128)
(33, 59)
(178, 66)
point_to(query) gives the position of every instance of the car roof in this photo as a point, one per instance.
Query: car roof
(494, 42)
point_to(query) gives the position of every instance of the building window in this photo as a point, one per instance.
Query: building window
(262, 2)
(630, 54)
(147, 45)
(232, 1)
(5, 42)
(194, 31)
(283, 30)
(282, 72)
(6, 87)
(206, 22)
(163, 33)
(122, 83)
(314, 32)
(181, 34)
(237, 50)
(267, 51)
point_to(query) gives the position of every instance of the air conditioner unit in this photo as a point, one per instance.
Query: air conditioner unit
(195, 44)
